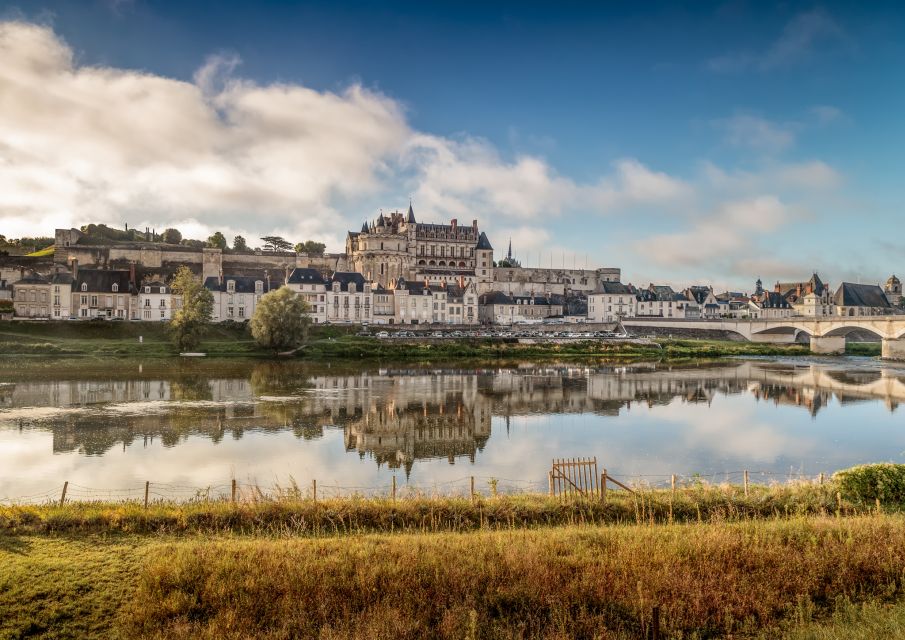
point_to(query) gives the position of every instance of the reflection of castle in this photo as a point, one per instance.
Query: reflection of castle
(398, 417)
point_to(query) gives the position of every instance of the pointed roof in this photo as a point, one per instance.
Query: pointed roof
(364, 227)
(509, 254)
(381, 221)
(411, 214)
(483, 242)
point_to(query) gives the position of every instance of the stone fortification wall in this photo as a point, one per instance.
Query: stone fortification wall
(522, 280)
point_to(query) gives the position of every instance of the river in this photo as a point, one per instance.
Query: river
(190, 427)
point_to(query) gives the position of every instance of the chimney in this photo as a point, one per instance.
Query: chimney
(75, 269)
(461, 282)
(474, 225)
(453, 223)
(132, 274)
(776, 288)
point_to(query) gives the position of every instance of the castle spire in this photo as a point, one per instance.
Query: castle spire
(509, 254)
(411, 214)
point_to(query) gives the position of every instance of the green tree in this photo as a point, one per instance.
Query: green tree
(276, 243)
(171, 236)
(280, 320)
(217, 241)
(311, 247)
(239, 244)
(190, 321)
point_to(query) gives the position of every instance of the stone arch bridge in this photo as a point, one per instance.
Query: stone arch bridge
(827, 335)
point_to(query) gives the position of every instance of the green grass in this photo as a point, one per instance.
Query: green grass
(863, 348)
(800, 578)
(103, 339)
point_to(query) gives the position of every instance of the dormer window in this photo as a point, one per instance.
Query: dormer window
(336, 287)
(84, 286)
(231, 286)
(351, 287)
(259, 287)
(163, 289)
(147, 289)
(115, 287)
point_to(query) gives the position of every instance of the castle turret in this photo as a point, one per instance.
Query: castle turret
(483, 259)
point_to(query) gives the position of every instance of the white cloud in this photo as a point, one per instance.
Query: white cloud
(81, 143)
(802, 38)
(715, 237)
(813, 175)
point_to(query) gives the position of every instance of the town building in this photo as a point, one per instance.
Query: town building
(155, 302)
(497, 307)
(662, 301)
(770, 305)
(312, 286)
(612, 302)
(235, 297)
(102, 293)
(861, 300)
(348, 299)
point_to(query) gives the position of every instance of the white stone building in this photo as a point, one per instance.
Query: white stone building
(155, 303)
(612, 302)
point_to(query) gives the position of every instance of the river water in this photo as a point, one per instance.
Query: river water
(190, 427)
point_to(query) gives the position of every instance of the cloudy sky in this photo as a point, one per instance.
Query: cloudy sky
(712, 143)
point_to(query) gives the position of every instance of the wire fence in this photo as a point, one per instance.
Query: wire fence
(465, 486)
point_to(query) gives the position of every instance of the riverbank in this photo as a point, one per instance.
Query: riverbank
(151, 340)
(757, 579)
(773, 561)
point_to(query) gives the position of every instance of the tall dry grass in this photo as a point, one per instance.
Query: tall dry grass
(577, 582)
(290, 513)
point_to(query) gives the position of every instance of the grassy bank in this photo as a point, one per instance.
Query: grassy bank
(291, 512)
(105, 339)
(776, 578)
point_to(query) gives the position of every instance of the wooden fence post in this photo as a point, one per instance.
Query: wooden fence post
(233, 493)
(314, 489)
(63, 497)
(394, 488)
(550, 482)
(655, 623)
(472, 490)
(603, 487)
(147, 487)
(746, 483)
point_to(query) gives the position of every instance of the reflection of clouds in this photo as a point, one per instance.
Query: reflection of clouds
(683, 421)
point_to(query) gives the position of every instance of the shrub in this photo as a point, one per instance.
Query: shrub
(870, 482)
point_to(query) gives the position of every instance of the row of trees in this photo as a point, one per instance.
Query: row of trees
(280, 320)
(171, 235)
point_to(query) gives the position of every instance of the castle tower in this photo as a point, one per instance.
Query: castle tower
(483, 259)
(893, 290)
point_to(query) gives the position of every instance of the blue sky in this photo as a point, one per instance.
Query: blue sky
(698, 143)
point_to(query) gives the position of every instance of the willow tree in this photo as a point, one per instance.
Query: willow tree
(280, 320)
(192, 318)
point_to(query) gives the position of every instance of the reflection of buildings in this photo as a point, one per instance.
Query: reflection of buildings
(398, 417)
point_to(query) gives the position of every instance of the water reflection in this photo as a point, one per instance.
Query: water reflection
(397, 417)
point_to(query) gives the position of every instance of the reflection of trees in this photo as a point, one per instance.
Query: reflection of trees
(190, 387)
(277, 378)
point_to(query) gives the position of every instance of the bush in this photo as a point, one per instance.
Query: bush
(871, 482)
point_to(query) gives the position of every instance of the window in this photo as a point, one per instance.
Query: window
(84, 286)
(259, 287)
(84, 299)
(93, 301)
(241, 312)
(114, 288)
(147, 314)
(163, 289)
(147, 302)
(229, 312)
(231, 286)
(147, 289)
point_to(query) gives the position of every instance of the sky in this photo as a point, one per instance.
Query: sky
(697, 143)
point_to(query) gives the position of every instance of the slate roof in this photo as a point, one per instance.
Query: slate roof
(244, 284)
(102, 280)
(411, 215)
(616, 288)
(302, 275)
(860, 295)
(495, 297)
(772, 300)
(32, 278)
(483, 242)
(344, 278)
(155, 286)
